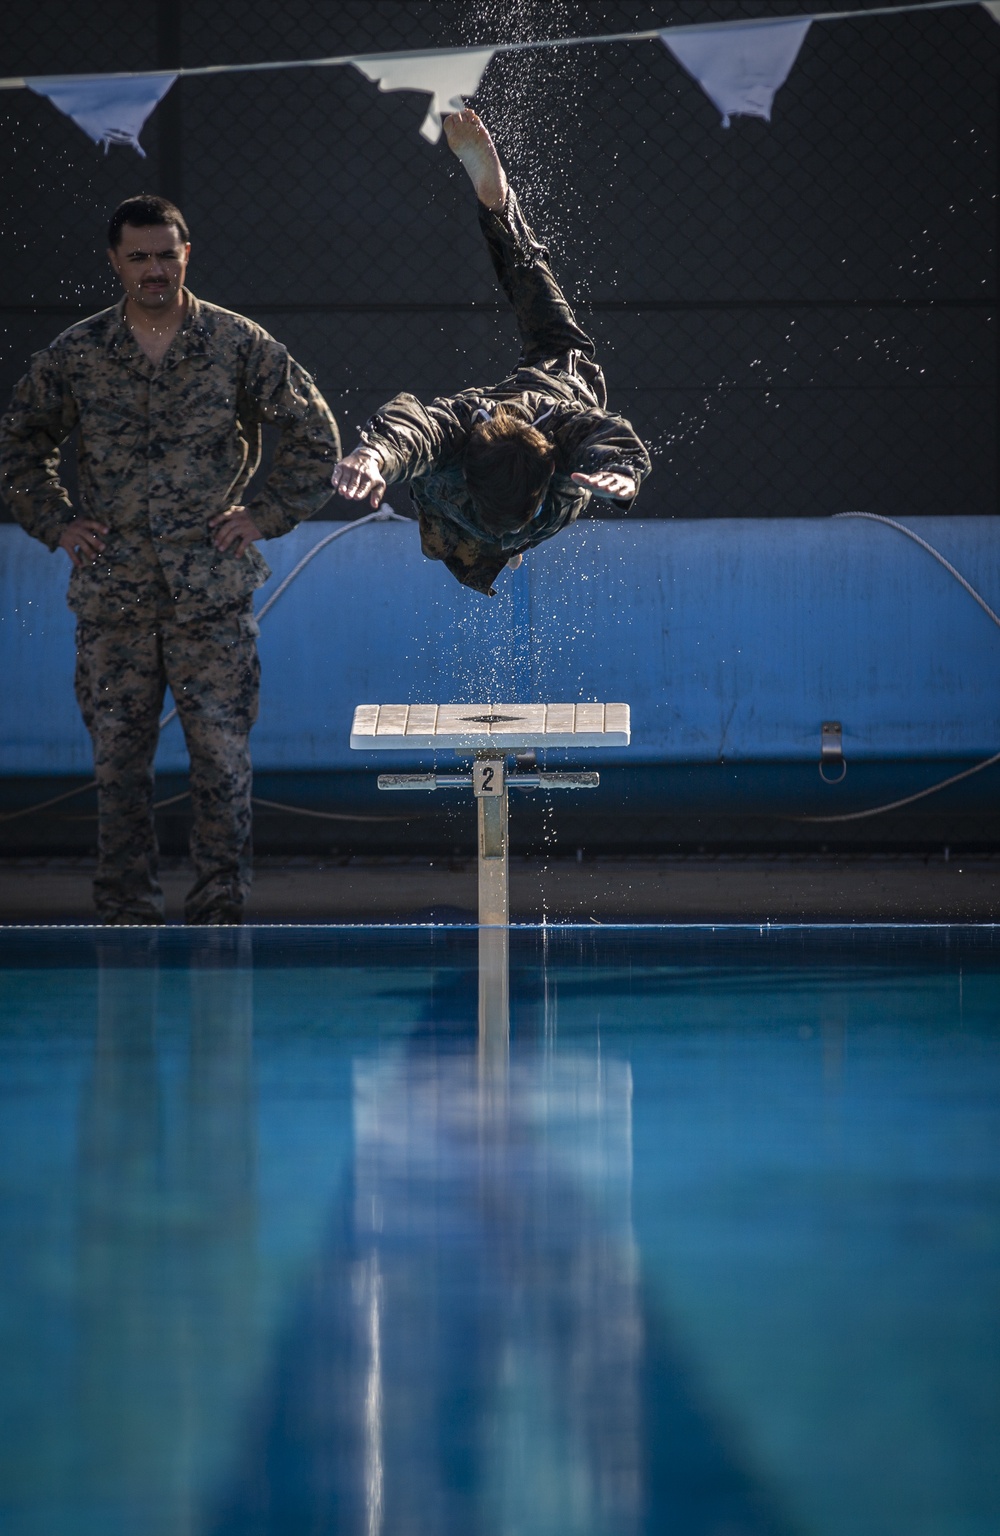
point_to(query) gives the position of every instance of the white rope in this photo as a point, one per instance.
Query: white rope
(875, 517)
(271, 805)
(383, 515)
(45, 805)
(18, 82)
(301, 810)
(894, 805)
(956, 778)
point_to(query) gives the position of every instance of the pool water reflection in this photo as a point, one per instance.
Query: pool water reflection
(291, 1244)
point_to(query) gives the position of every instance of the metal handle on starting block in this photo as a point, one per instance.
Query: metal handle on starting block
(424, 780)
(554, 781)
(543, 780)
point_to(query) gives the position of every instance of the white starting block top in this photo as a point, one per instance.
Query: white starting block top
(476, 727)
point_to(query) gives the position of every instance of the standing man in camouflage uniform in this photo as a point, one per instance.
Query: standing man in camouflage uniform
(168, 395)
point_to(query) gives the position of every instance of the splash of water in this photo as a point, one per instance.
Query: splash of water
(528, 101)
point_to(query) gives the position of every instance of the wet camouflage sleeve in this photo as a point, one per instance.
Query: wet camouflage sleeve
(277, 391)
(413, 439)
(42, 415)
(589, 441)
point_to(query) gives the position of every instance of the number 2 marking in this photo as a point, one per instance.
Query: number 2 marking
(487, 779)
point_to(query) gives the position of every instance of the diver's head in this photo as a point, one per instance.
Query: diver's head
(507, 465)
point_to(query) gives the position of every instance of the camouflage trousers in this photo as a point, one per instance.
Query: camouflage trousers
(122, 673)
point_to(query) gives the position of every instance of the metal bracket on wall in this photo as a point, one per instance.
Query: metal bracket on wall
(831, 752)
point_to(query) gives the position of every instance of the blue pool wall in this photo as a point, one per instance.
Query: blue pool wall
(732, 640)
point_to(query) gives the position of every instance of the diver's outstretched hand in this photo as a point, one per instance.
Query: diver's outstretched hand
(360, 475)
(611, 485)
(469, 139)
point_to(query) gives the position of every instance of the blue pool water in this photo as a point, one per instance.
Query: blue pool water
(711, 1248)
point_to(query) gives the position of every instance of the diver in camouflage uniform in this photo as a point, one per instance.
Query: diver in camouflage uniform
(493, 471)
(168, 395)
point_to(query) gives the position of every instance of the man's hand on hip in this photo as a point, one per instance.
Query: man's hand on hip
(360, 475)
(82, 540)
(236, 531)
(612, 485)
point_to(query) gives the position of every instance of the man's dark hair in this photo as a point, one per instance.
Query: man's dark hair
(142, 211)
(507, 466)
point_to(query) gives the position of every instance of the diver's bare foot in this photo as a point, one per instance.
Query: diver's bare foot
(469, 140)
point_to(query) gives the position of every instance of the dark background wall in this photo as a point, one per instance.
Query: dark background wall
(800, 318)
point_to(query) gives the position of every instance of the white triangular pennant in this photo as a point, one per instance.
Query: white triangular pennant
(111, 109)
(739, 67)
(447, 76)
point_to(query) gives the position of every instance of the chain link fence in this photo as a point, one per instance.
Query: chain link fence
(798, 317)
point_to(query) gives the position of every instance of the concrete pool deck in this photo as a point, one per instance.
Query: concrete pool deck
(835, 887)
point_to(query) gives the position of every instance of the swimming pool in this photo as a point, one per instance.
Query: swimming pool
(709, 1245)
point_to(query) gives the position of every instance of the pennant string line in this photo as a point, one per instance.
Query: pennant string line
(16, 82)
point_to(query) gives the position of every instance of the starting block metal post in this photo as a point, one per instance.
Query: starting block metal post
(489, 733)
(489, 785)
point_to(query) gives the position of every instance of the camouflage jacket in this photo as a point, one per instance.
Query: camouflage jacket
(424, 444)
(163, 448)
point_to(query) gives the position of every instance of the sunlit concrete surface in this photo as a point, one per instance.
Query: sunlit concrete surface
(837, 887)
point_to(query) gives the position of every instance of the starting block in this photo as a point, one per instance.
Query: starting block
(489, 733)
(478, 727)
